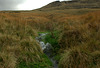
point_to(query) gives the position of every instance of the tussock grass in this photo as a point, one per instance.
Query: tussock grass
(80, 40)
(77, 37)
(80, 57)
(18, 47)
(76, 58)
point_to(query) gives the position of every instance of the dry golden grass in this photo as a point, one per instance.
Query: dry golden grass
(18, 44)
(76, 58)
(79, 35)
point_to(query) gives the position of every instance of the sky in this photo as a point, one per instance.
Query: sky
(23, 4)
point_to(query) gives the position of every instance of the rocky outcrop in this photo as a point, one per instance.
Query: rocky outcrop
(74, 4)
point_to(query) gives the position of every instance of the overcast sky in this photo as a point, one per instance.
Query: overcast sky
(23, 4)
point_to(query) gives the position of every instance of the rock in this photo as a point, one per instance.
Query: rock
(48, 50)
(42, 45)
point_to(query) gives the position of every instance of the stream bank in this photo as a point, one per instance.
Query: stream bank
(47, 48)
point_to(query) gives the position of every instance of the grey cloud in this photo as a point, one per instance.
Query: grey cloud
(10, 4)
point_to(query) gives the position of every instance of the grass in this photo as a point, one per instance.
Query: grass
(46, 63)
(74, 35)
(80, 41)
(18, 47)
(79, 57)
(76, 58)
(52, 38)
(78, 37)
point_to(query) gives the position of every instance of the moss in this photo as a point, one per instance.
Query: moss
(43, 63)
(57, 57)
(52, 38)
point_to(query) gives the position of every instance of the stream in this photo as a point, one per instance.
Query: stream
(47, 48)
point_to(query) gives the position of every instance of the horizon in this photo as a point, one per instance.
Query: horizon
(24, 4)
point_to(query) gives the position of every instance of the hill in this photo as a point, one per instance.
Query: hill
(74, 4)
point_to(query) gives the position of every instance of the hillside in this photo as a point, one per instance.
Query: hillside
(74, 4)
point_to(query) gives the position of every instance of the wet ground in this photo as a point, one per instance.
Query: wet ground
(47, 48)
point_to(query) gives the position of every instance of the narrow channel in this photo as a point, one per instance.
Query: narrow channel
(47, 48)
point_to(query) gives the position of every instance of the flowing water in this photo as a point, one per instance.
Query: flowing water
(47, 48)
